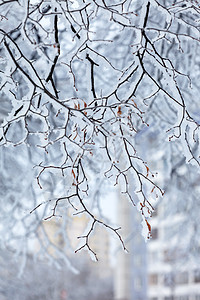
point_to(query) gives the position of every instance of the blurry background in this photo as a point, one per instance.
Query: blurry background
(37, 259)
(166, 267)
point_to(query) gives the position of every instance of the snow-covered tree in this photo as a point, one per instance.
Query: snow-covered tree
(84, 86)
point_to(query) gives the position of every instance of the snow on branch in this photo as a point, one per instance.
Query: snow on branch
(81, 80)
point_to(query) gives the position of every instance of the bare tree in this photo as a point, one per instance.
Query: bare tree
(81, 82)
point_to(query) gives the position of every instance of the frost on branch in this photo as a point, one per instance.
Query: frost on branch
(81, 81)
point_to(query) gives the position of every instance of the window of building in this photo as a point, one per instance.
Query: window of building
(197, 297)
(166, 256)
(154, 233)
(169, 298)
(153, 279)
(169, 256)
(197, 276)
(181, 278)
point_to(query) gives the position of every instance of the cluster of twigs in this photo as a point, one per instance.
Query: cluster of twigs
(86, 77)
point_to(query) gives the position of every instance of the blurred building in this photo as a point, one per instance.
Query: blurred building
(171, 277)
(152, 270)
